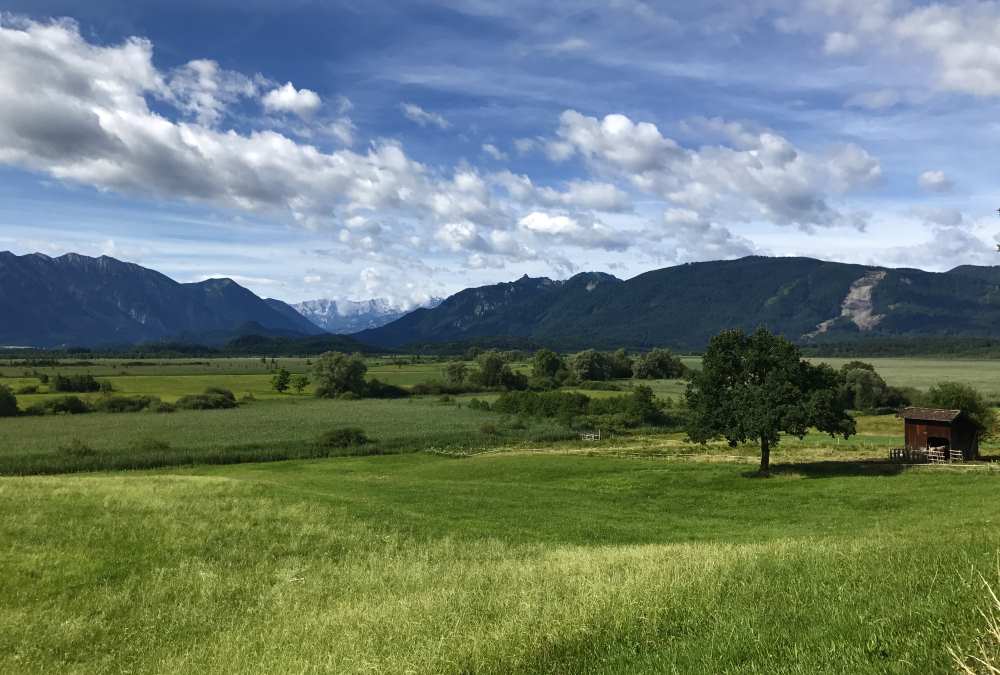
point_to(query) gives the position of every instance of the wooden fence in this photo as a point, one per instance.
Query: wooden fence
(925, 455)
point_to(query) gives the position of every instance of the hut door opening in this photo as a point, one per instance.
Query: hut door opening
(938, 442)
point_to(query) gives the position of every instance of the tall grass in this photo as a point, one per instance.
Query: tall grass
(985, 657)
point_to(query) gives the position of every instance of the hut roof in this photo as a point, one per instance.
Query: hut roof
(930, 414)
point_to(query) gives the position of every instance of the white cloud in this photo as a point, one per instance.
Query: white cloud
(204, 90)
(415, 113)
(574, 232)
(343, 130)
(840, 43)
(302, 102)
(766, 178)
(594, 195)
(569, 45)
(935, 181)
(494, 152)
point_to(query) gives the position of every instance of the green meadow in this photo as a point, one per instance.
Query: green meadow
(468, 542)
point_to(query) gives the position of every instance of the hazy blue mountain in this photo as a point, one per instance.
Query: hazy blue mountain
(83, 301)
(684, 306)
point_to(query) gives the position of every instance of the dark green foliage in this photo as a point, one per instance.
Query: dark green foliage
(28, 389)
(658, 364)
(214, 398)
(437, 388)
(66, 405)
(378, 389)
(478, 404)
(495, 373)
(455, 373)
(488, 429)
(74, 383)
(221, 391)
(8, 402)
(281, 380)
(756, 387)
(124, 404)
(338, 374)
(299, 382)
(958, 396)
(597, 366)
(598, 386)
(864, 389)
(546, 363)
(638, 408)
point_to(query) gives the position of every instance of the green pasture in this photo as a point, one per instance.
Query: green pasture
(499, 563)
(253, 432)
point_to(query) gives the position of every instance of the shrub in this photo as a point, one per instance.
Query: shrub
(488, 429)
(438, 388)
(281, 381)
(74, 383)
(599, 386)
(221, 391)
(8, 402)
(28, 389)
(67, 405)
(345, 437)
(162, 407)
(124, 404)
(378, 389)
(477, 404)
(213, 399)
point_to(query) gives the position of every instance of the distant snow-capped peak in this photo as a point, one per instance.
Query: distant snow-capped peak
(351, 316)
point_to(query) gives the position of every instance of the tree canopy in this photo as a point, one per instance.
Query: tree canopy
(757, 387)
(958, 396)
(338, 374)
(8, 402)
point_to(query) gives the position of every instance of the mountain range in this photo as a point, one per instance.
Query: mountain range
(82, 301)
(347, 316)
(806, 300)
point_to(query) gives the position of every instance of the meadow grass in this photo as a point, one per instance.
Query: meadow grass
(492, 564)
(262, 431)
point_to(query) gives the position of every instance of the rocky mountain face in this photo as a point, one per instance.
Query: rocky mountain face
(684, 306)
(82, 301)
(346, 316)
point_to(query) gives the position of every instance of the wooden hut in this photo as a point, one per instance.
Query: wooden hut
(947, 430)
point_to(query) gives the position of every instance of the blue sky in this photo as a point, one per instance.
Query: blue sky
(410, 149)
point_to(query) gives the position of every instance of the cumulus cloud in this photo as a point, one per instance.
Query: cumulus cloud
(935, 181)
(575, 232)
(302, 102)
(958, 40)
(578, 194)
(764, 177)
(415, 113)
(204, 90)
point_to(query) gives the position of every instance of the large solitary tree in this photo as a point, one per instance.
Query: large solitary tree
(753, 388)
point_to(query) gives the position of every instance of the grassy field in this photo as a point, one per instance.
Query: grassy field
(503, 563)
(474, 543)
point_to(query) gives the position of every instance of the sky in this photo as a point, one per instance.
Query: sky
(406, 150)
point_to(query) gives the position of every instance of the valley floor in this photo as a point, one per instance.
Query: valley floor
(496, 563)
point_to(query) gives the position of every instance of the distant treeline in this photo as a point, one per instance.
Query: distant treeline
(872, 347)
(256, 345)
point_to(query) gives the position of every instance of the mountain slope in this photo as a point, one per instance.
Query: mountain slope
(684, 306)
(83, 301)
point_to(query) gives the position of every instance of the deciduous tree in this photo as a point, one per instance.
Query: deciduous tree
(757, 387)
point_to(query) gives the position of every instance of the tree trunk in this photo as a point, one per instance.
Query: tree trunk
(765, 455)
